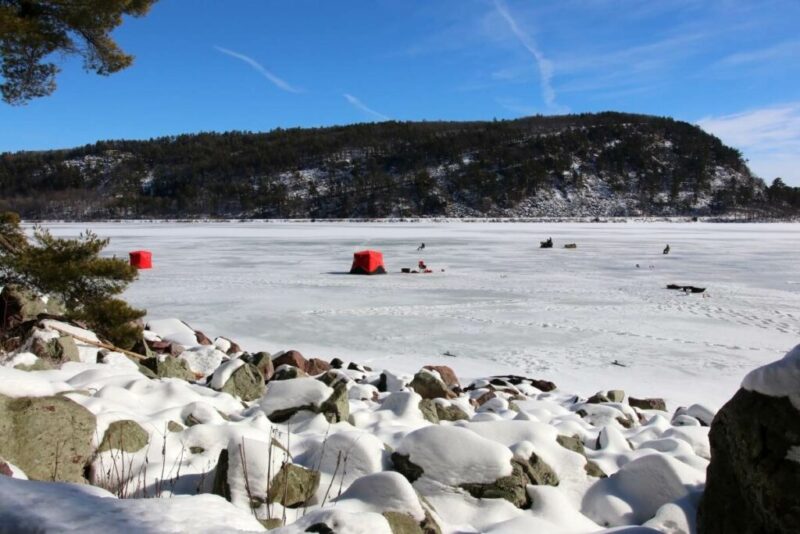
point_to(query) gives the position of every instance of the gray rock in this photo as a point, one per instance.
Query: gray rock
(56, 351)
(246, 382)
(572, 443)
(293, 485)
(753, 477)
(337, 407)
(287, 372)
(220, 486)
(648, 404)
(428, 409)
(575, 444)
(597, 398)
(429, 386)
(401, 523)
(510, 488)
(49, 438)
(615, 395)
(450, 413)
(38, 365)
(126, 435)
(263, 361)
(19, 305)
(170, 367)
(539, 473)
(174, 426)
(406, 467)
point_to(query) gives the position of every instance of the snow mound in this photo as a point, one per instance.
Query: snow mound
(173, 330)
(61, 507)
(294, 393)
(453, 456)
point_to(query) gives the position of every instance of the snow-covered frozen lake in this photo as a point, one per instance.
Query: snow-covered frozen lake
(501, 305)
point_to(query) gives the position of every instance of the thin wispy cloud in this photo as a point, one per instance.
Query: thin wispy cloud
(769, 137)
(544, 65)
(276, 81)
(358, 104)
(785, 50)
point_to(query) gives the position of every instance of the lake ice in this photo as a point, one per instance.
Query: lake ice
(501, 305)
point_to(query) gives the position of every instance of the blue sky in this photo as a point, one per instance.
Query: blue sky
(732, 66)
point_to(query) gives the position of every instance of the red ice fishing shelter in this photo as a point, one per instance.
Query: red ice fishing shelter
(368, 262)
(142, 259)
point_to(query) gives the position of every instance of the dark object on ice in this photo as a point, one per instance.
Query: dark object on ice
(368, 262)
(686, 289)
(405, 270)
(421, 246)
(546, 244)
(571, 245)
(618, 363)
(666, 249)
(448, 353)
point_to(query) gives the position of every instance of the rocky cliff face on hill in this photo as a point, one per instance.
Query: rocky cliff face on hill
(607, 164)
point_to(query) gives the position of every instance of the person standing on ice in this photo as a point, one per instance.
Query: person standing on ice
(421, 246)
(666, 249)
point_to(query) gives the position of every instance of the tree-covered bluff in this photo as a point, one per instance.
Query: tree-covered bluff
(605, 164)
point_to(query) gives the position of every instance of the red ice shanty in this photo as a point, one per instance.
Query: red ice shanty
(368, 262)
(142, 259)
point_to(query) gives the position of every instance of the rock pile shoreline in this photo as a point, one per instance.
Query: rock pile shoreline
(222, 438)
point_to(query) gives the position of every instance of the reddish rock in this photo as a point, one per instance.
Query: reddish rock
(483, 399)
(315, 366)
(235, 348)
(166, 347)
(202, 338)
(291, 357)
(448, 375)
(5, 469)
(543, 385)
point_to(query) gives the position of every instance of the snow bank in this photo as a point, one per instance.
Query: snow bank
(29, 506)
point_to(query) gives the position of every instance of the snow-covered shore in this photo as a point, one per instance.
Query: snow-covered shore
(369, 450)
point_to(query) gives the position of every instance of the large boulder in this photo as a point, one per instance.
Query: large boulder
(754, 474)
(49, 438)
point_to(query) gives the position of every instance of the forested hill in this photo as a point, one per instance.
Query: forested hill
(602, 164)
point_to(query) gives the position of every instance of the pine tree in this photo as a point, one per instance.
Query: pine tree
(72, 271)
